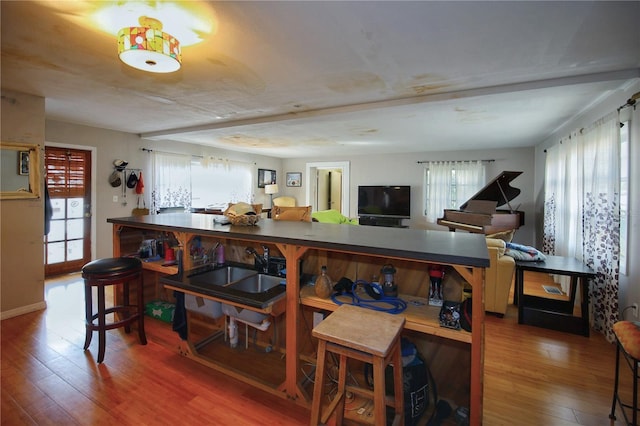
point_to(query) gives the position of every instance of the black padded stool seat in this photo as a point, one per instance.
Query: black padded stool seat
(112, 271)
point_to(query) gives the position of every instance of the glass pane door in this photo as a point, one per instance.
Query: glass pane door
(68, 245)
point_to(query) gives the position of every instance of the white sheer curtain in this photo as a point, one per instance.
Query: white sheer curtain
(171, 186)
(582, 211)
(192, 182)
(218, 181)
(449, 184)
(470, 178)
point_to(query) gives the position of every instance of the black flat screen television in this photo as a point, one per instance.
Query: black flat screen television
(390, 201)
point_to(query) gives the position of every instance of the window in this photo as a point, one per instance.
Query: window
(198, 182)
(218, 182)
(447, 184)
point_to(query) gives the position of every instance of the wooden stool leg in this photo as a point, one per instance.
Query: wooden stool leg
(88, 309)
(141, 335)
(126, 302)
(318, 387)
(102, 323)
(379, 393)
(398, 382)
(635, 391)
(342, 389)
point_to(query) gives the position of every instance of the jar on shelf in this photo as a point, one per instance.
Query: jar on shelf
(323, 284)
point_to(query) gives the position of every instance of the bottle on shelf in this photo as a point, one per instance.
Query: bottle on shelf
(220, 255)
(323, 284)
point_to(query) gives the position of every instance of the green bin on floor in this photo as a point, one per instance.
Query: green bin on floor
(161, 310)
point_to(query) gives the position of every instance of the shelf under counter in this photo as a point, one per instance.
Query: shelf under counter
(419, 315)
(159, 266)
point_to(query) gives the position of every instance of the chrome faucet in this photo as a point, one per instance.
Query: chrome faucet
(212, 254)
(263, 260)
(265, 257)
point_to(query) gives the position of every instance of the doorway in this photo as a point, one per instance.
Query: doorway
(68, 179)
(328, 186)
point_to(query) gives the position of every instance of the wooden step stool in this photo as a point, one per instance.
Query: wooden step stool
(369, 336)
(628, 345)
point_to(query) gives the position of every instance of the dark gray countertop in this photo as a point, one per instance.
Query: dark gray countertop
(414, 244)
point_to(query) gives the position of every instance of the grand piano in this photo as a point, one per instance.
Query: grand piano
(479, 214)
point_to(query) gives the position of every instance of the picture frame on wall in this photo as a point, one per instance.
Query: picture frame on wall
(266, 177)
(23, 163)
(294, 179)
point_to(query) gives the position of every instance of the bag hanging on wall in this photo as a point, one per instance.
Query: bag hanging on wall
(114, 179)
(132, 181)
(140, 185)
(140, 211)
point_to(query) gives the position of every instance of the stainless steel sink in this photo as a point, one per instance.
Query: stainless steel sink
(220, 277)
(258, 283)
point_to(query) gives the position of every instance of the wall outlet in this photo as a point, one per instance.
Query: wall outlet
(634, 308)
(115, 198)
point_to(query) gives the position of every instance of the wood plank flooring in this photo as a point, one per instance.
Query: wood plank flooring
(533, 376)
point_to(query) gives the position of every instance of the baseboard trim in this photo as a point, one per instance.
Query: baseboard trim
(23, 310)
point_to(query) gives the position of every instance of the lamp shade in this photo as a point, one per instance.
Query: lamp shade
(271, 189)
(148, 48)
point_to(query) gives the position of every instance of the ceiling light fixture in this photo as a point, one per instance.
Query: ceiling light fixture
(148, 48)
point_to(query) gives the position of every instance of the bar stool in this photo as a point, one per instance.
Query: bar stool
(368, 336)
(112, 271)
(628, 344)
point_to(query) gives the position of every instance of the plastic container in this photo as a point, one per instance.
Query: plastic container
(246, 315)
(206, 307)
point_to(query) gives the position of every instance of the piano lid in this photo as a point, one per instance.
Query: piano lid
(497, 190)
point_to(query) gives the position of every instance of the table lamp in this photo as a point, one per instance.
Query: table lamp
(271, 189)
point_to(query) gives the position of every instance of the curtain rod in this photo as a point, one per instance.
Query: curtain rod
(631, 101)
(490, 160)
(169, 152)
(197, 156)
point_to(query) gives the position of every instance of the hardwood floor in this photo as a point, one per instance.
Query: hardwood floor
(533, 376)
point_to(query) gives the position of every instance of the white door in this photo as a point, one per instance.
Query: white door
(318, 188)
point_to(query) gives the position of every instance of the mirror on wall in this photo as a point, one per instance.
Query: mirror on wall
(20, 168)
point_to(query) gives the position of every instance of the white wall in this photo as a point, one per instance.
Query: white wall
(629, 283)
(22, 221)
(403, 169)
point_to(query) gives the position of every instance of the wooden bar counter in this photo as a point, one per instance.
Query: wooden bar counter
(352, 251)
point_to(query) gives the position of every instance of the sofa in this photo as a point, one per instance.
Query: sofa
(498, 277)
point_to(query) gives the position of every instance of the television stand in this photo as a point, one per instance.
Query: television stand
(390, 222)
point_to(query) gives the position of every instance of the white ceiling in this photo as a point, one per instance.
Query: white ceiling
(330, 78)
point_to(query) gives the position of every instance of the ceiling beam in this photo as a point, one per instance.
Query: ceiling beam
(424, 98)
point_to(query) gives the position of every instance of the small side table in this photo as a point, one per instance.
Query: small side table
(551, 313)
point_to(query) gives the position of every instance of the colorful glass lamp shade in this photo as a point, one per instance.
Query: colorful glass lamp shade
(147, 48)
